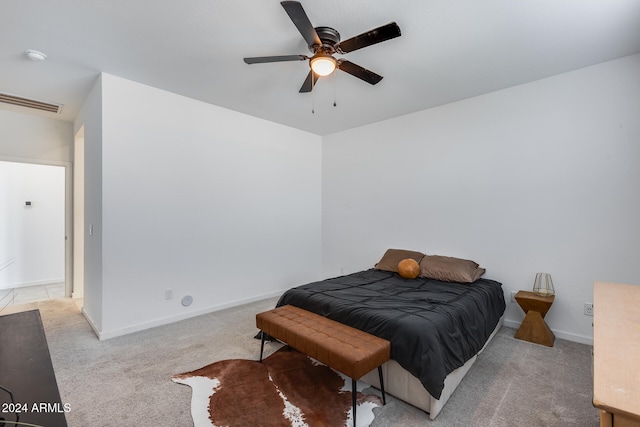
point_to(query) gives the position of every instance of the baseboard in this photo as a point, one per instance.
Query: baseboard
(36, 283)
(559, 334)
(105, 335)
(91, 323)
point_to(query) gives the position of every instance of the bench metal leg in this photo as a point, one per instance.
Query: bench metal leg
(353, 399)
(262, 334)
(354, 392)
(384, 399)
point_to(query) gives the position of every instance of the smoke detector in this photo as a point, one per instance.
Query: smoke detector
(35, 55)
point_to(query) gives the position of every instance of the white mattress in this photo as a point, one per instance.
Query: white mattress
(406, 387)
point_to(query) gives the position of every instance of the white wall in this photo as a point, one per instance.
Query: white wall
(34, 139)
(32, 245)
(541, 177)
(202, 200)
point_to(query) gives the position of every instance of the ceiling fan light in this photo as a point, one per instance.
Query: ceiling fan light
(323, 65)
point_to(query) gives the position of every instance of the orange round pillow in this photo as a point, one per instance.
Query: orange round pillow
(408, 268)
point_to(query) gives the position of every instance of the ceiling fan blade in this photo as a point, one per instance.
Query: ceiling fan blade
(308, 85)
(359, 72)
(301, 21)
(377, 35)
(282, 58)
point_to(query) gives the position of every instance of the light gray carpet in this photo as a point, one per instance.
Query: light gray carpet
(126, 381)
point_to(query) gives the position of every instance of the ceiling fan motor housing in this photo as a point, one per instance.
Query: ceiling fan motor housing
(329, 38)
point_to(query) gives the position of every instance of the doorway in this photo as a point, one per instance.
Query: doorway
(33, 223)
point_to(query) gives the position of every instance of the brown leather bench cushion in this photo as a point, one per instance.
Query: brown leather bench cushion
(343, 348)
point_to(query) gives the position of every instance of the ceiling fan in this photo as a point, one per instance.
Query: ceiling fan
(324, 42)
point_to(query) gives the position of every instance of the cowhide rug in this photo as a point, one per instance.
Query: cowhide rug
(286, 389)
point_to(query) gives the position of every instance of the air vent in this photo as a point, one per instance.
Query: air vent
(30, 103)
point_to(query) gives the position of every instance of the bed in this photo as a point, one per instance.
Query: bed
(436, 327)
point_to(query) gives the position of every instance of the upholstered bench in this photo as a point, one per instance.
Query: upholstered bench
(343, 348)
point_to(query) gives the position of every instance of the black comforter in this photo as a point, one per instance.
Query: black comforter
(434, 327)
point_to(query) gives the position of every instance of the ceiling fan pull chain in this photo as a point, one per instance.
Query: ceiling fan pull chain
(313, 97)
(334, 87)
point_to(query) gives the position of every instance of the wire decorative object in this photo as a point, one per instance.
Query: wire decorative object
(543, 285)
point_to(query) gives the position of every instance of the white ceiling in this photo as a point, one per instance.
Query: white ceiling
(449, 50)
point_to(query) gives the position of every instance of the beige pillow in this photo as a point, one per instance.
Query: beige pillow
(392, 257)
(449, 269)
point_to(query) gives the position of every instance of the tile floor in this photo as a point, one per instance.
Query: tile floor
(31, 294)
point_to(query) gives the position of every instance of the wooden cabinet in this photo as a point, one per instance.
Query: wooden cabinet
(616, 354)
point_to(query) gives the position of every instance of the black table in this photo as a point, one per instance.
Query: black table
(26, 370)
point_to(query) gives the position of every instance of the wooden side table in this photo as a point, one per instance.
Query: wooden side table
(533, 327)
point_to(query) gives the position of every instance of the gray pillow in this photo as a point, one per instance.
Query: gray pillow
(449, 269)
(392, 257)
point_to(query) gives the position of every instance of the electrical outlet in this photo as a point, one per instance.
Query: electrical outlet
(588, 309)
(168, 293)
